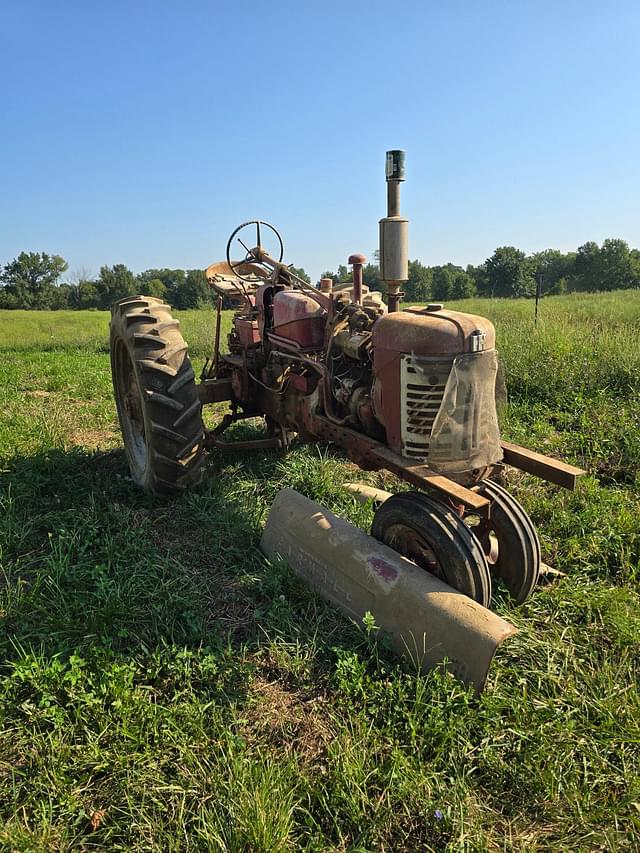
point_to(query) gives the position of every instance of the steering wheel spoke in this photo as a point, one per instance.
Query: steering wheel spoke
(246, 248)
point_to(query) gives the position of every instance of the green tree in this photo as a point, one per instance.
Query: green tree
(59, 297)
(442, 282)
(115, 283)
(87, 294)
(510, 273)
(634, 254)
(463, 286)
(418, 286)
(299, 271)
(29, 280)
(195, 291)
(451, 282)
(173, 280)
(587, 274)
(8, 300)
(153, 287)
(84, 292)
(343, 274)
(329, 274)
(612, 266)
(479, 276)
(555, 269)
(371, 276)
(617, 267)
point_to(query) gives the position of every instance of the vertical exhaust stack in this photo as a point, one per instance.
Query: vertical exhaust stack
(394, 232)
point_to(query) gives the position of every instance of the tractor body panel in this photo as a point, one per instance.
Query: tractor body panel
(419, 387)
(425, 619)
(299, 318)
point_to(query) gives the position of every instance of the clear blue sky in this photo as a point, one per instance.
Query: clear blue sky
(142, 133)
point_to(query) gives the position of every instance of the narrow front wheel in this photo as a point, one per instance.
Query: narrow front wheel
(509, 540)
(437, 540)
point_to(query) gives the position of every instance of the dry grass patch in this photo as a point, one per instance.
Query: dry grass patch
(37, 393)
(95, 439)
(288, 721)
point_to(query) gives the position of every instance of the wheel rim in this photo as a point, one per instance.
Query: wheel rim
(130, 408)
(509, 541)
(435, 539)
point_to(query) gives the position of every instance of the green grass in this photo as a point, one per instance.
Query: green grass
(162, 687)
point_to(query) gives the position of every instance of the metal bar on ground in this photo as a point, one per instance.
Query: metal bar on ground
(424, 478)
(364, 493)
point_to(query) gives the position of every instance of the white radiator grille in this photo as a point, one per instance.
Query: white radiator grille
(422, 384)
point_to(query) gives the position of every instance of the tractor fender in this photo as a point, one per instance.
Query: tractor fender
(426, 619)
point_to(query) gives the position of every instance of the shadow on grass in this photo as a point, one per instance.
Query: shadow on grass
(93, 565)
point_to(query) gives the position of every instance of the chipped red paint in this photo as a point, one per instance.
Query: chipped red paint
(383, 569)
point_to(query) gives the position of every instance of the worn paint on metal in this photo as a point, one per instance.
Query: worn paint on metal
(384, 569)
(426, 620)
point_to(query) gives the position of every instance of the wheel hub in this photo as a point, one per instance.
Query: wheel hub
(485, 533)
(411, 545)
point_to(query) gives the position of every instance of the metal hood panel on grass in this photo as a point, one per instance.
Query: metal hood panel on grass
(427, 620)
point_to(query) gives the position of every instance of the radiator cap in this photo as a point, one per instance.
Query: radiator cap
(435, 306)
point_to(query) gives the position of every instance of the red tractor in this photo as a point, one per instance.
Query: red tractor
(411, 391)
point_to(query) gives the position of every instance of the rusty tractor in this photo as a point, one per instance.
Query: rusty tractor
(410, 391)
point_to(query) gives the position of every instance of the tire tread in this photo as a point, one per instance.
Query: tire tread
(174, 429)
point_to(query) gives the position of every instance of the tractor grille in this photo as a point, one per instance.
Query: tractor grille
(422, 384)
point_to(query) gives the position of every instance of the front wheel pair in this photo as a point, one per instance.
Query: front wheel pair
(465, 554)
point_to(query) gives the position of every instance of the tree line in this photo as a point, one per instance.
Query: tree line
(34, 280)
(510, 272)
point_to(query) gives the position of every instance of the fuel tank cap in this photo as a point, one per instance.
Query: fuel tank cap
(435, 306)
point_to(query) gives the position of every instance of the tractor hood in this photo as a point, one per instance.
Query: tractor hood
(433, 331)
(434, 388)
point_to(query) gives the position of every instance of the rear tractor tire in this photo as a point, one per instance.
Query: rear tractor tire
(436, 539)
(156, 396)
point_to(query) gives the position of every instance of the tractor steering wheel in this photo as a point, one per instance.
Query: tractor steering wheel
(253, 256)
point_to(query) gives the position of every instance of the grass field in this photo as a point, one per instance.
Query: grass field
(162, 687)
